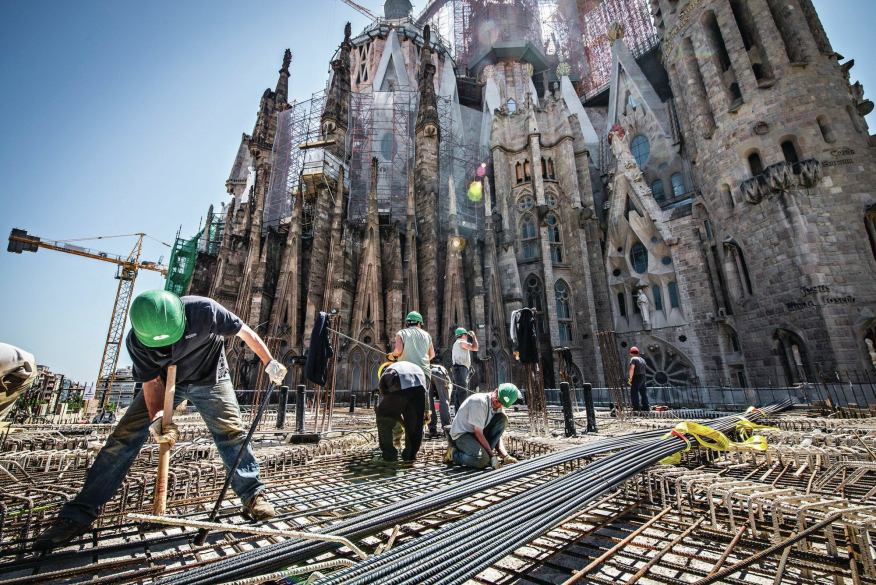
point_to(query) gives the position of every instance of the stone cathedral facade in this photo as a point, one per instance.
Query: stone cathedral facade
(715, 205)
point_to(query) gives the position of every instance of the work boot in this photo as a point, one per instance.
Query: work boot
(259, 508)
(59, 534)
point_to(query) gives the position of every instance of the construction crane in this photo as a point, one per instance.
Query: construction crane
(361, 9)
(127, 269)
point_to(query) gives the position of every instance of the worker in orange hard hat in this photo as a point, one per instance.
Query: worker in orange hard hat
(636, 380)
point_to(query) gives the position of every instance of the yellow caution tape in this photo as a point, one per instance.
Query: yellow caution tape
(710, 438)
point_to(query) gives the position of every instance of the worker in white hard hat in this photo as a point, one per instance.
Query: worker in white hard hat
(18, 372)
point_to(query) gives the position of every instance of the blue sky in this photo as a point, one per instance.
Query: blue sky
(121, 116)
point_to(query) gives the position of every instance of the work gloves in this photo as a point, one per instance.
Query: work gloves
(170, 436)
(276, 372)
(509, 459)
(427, 418)
(495, 462)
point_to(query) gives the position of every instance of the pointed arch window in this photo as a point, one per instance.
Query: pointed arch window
(793, 356)
(737, 269)
(544, 173)
(622, 303)
(527, 170)
(511, 105)
(554, 238)
(658, 191)
(518, 172)
(657, 293)
(550, 169)
(534, 292)
(564, 312)
(674, 301)
(677, 185)
(528, 237)
(641, 149)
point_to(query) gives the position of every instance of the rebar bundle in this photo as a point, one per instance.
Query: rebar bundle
(494, 531)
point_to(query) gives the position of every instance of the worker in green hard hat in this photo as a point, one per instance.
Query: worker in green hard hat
(190, 333)
(414, 344)
(477, 429)
(466, 342)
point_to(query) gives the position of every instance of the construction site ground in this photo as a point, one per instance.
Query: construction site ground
(690, 522)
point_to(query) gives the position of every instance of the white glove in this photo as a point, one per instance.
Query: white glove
(170, 437)
(508, 459)
(276, 372)
(494, 462)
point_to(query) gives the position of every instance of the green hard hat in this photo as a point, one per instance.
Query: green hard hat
(460, 331)
(508, 394)
(158, 318)
(414, 317)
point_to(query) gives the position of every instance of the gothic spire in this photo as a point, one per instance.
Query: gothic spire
(282, 90)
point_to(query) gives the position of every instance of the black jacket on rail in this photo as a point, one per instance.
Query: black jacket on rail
(527, 338)
(320, 351)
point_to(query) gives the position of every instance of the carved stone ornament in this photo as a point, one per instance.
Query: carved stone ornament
(810, 172)
(761, 128)
(754, 190)
(779, 177)
(584, 214)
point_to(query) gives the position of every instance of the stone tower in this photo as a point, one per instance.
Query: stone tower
(781, 153)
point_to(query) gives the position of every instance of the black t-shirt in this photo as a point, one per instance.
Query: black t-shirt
(199, 355)
(638, 364)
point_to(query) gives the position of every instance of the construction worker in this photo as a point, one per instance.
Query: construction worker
(476, 433)
(403, 401)
(414, 344)
(187, 332)
(440, 386)
(465, 342)
(18, 372)
(636, 380)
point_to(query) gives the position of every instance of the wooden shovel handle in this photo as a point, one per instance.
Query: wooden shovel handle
(164, 449)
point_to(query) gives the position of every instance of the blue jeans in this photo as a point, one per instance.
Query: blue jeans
(468, 450)
(220, 411)
(460, 385)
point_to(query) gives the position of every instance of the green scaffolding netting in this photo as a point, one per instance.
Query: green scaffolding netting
(182, 265)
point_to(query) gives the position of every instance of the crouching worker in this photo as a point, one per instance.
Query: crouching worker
(476, 433)
(403, 400)
(187, 332)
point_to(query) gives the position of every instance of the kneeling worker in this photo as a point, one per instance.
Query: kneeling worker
(476, 433)
(403, 400)
(187, 332)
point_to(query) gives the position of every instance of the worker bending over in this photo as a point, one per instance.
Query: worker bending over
(403, 401)
(18, 372)
(465, 343)
(636, 380)
(476, 433)
(189, 333)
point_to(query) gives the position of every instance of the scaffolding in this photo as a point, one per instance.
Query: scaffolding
(571, 33)
(298, 125)
(182, 264)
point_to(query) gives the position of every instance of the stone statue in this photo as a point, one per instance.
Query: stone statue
(643, 302)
